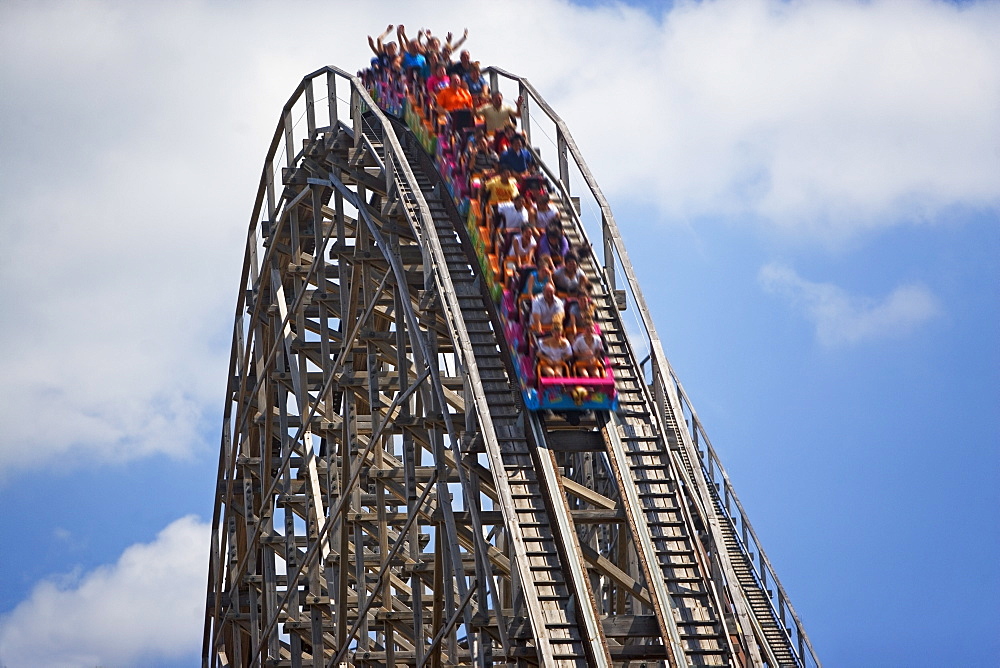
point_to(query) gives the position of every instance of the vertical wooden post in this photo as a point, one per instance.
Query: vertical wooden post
(331, 97)
(356, 116)
(289, 140)
(310, 109)
(562, 153)
(609, 255)
(523, 95)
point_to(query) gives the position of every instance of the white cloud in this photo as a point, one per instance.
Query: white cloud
(820, 118)
(136, 131)
(841, 318)
(147, 606)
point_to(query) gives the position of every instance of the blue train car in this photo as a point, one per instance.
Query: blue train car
(560, 393)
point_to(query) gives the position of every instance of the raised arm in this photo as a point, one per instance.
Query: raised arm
(517, 106)
(460, 42)
(380, 42)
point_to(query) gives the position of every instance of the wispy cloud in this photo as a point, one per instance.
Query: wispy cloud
(841, 318)
(146, 606)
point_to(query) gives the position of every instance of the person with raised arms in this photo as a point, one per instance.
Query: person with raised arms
(496, 114)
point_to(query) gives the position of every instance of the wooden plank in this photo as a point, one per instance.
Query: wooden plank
(588, 495)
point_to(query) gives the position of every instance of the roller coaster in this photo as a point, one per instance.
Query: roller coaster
(389, 495)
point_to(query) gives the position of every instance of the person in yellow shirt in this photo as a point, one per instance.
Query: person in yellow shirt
(500, 189)
(496, 114)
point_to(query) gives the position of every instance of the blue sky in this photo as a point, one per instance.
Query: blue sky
(809, 192)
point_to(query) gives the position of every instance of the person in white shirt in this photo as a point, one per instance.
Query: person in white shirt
(522, 248)
(544, 212)
(547, 310)
(588, 350)
(554, 352)
(511, 217)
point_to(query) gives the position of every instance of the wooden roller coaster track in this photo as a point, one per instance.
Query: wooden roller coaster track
(383, 496)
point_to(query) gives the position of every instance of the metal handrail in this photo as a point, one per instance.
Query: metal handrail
(664, 377)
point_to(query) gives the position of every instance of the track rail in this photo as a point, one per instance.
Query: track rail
(638, 449)
(563, 637)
